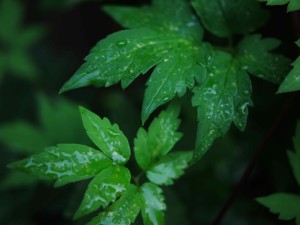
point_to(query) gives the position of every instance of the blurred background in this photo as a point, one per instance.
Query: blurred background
(43, 42)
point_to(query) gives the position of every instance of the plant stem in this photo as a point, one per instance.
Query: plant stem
(137, 178)
(268, 138)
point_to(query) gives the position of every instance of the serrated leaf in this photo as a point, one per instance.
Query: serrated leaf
(170, 167)
(159, 140)
(286, 205)
(153, 204)
(22, 137)
(223, 98)
(123, 211)
(171, 15)
(125, 55)
(109, 138)
(225, 18)
(103, 189)
(294, 156)
(292, 4)
(173, 76)
(292, 80)
(65, 163)
(254, 53)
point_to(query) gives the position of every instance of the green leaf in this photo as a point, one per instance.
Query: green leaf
(52, 112)
(11, 16)
(17, 41)
(109, 138)
(223, 98)
(103, 189)
(225, 18)
(294, 157)
(22, 137)
(292, 4)
(173, 76)
(286, 205)
(170, 167)
(162, 15)
(159, 140)
(292, 80)
(254, 53)
(153, 204)
(123, 211)
(66, 163)
(163, 41)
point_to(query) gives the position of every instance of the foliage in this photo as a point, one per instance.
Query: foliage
(292, 80)
(68, 163)
(285, 204)
(195, 51)
(292, 4)
(16, 41)
(219, 79)
(26, 139)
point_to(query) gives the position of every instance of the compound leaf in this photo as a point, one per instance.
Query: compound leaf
(223, 98)
(255, 56)
(159, 140)
(153, 204)
(172, 77)
(225, 18)
(286, 205)
(292, 80)
(109, 138)
(66, 163)
(103, 189)
(125, 55)
(170, 167)
(123, 211)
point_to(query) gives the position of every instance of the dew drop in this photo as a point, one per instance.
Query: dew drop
(121, 43)
(165, 99)
(246, 92)
(243, 108)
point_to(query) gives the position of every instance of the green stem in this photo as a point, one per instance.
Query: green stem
(137, 178)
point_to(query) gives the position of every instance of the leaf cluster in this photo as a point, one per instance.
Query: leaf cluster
(168, 37)
(111, 187)
(25, 139)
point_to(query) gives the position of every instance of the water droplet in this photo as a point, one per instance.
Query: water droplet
(246, 92)
(165, 99)
(243, 108)
(121, 43)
